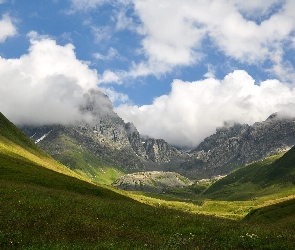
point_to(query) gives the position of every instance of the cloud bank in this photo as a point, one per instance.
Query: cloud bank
(193, 110)
(178, 33)
(45, 86)
(175, 34)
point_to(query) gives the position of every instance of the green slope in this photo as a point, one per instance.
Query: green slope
(281, 214)
(18, 146)
(274, 175)
(84, 162)
(10, 132)
(43, 209)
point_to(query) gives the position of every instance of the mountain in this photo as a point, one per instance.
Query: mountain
(101, 146)
(235, 145)
(154, 181)
(42, 206)
(274, 174)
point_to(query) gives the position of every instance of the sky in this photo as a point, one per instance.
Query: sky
(177, 69)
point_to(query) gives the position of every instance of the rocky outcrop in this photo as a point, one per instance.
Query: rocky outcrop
(101, 136)
(238, 144)
(154, 181)
(160, 151)
(135, 140)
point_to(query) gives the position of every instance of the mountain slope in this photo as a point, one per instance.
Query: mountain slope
(16, 146)
(272, 175)
(281, 213)
(235, 145)
(43, 209)
(102, 142)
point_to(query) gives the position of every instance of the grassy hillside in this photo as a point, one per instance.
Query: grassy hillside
(257, 185)
(85, 163)
(18, 146)
(271, 176)
(9, 131)
(43, 209)
(281, 214)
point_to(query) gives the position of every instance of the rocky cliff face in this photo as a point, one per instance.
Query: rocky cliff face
(101, 136)
(104, 137)
(160, 151)
(236, 145)
(135, 141)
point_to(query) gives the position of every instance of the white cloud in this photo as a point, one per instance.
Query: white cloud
(86, 4)
(173, 31)
(7, 28)
(114, 95)
(109, 76)
(101, 33)
(46, 85)
(123, 21)
(193, 110)
(112, 54)
(211, 71)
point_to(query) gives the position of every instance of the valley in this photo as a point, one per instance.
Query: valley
(46, 205)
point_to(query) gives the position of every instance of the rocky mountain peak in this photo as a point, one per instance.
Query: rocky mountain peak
(97, 104)
(272, 116)
(239, 144)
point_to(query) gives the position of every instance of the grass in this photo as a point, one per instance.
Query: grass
(85, 163)
(261, 178)
(281, 214)
(260, 184)
(60, 212)
(44, 209)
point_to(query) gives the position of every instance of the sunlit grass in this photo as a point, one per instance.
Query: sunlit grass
(41, 208)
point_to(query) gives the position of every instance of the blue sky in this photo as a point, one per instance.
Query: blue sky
(176, 69)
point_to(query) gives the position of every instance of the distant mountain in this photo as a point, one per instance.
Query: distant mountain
(104, 147)
(274, 174)
(101, 146)
(235, 145)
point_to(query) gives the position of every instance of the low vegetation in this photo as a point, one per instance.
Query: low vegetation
(43, 205)
(42, 209)
(85, 163)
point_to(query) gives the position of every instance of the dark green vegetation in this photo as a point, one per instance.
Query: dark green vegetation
(273, 175)
(43, 209)
(255, 186)
(280, 214)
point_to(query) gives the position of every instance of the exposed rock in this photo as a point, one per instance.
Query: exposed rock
(135, 140)
(104, 137)
(236, 145)
(102, 134)
(160, 151)
(154, 181)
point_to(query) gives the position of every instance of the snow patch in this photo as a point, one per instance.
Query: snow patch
(42, 137)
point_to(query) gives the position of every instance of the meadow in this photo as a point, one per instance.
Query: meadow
(44, 205)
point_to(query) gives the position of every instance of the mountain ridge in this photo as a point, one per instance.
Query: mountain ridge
(106, 139)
